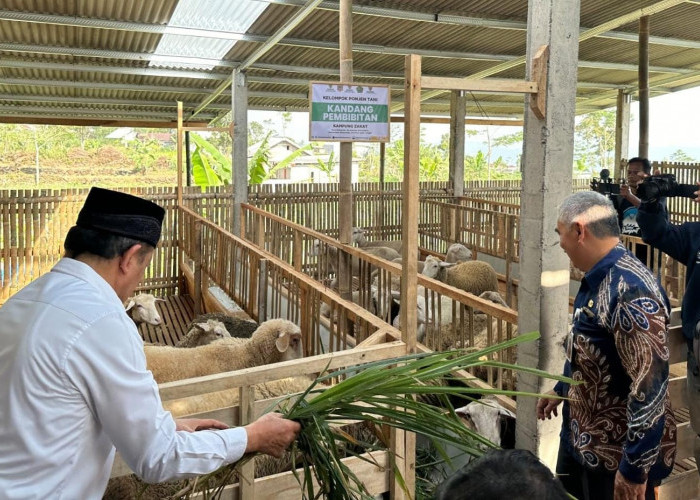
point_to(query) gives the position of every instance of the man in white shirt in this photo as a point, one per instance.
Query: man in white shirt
(74, 378)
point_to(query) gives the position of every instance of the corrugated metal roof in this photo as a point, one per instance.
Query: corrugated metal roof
(77, 59)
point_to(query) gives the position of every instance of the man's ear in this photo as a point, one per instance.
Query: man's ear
(130, 258)
(580, 231)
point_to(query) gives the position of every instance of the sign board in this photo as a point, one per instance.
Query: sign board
(349, 112)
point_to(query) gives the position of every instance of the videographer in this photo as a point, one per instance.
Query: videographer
(628, 203)
(682, 242)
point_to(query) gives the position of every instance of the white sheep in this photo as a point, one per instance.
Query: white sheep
(488, 418)
(229, 397)
(275, 340)
(473, 276)
(332, 253)
(457, 253)
(203, 333)
(238, 324)
(444, 335)
(142, 309)
(359, 238)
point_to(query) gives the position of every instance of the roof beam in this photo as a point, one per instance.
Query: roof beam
(198, 61)
(292, 23)
(520, 25)
(95, 68)
(92, 122)
(584, 35)
(74, 112)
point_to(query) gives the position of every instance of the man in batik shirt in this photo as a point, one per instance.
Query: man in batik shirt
(618, 432)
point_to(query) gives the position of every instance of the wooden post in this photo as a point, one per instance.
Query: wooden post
(246, 476)
(622, 131)
(239, 102)
(345, 201)
(188, 158)
(262, 291)
(405, 443)
(643, 77)
(458, 109)
(297, 246)
(197, 268)
(180, 226)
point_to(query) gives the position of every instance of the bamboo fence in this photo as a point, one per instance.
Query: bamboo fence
(33, 225)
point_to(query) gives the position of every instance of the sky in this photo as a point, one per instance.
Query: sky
(671, 120)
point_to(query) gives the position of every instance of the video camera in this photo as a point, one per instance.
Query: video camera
(650, 190)
(657, 186)
(604, 184)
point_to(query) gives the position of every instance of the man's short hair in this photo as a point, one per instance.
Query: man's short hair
(508, 474)
(646, 164)
(100, 243)
(593, 209)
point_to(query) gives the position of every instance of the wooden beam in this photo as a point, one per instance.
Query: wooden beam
(540, 63)
(467, 121)
(472, 85)
(266, 373)
(91, 122)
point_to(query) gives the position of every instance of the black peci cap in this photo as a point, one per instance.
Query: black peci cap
(122, 214)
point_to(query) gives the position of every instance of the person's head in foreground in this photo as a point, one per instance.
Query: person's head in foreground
(502, 474)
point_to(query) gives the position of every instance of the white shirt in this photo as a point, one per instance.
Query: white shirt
(74, 384)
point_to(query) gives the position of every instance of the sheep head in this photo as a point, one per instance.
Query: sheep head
(486, 417)
(206, 332)
(457, 253)
(142, 309)
(358, 235)
(435, 268)
(285, 335)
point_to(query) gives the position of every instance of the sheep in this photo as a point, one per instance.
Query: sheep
(332, 253)
(229, 397)
(238, 325)
(358, 237)
(419, 266)
(457, 253)
(489, 419)
(443, 335)
(142, 309)
(275, 340)
(203, 333)
(472, 276)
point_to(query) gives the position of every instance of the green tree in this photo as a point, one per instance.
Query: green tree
(327, 167)
(260, 168)
(680, 156)
(595, 139)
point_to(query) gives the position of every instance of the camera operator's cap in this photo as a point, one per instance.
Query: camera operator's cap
(122, 214)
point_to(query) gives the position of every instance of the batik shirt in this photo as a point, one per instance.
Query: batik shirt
(619, 416)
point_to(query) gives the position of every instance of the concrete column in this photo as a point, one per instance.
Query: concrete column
(643, 78)
(239, 102)
(458, 109)
(622, 131)
(544, 267)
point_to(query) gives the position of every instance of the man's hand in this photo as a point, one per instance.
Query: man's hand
(547, 406)
(271, 434)
(627, 490)
(198, 424)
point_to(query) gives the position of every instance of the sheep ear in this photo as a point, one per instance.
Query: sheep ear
(447, 264)
(130, 304)
(282, 342)
(158, 299)
(205, 327)
(505, 413)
